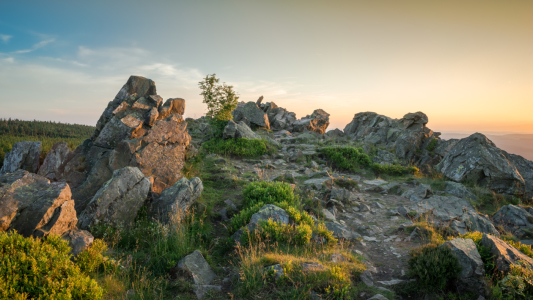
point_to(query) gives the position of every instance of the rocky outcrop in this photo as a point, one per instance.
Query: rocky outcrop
(471, 277)
(251, 115)
(118, 201)
(239, 130)
(505, 255)
(515, 219)
(33, 206)
(279, 117)
(23, 155)
(318, 122)
(477, 159)
(525, 168)
(340, 231)
(56, 157)
(136, 129)
(408, 138)
(176, 198)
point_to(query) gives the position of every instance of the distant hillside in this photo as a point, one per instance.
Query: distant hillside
(521, 144)
(49, 133)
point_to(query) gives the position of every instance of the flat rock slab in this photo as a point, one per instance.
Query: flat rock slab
(375, 182)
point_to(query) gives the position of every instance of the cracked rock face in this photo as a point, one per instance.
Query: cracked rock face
(33, 206)
(135, 130)
(118, 201)
(515, 219)
(23, 155)
(177, 197)
(477, 159)
(57, 156)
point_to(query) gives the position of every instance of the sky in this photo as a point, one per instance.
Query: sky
(467, 64)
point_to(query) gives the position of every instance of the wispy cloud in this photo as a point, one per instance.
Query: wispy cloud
(39, 45)
(5, 38)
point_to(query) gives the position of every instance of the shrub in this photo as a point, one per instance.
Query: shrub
(239, 147)
(221, 100)
(433, 267)
(92, 258)
(432, 145)
(35, 268)
(269, 193)
(347, 158)
(346, 183)
(396, 170)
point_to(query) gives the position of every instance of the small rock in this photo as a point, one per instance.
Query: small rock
(378, 297)
(312, 267)
(200, 270)
(366, 278)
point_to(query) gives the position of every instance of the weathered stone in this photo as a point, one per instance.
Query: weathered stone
(318, 122)
(384, 157)
(171, 106)
(471, 277)
(176, 198)
(23, 155)
(251, 114)
(454, 212)
(118, 201)
(201, 272)
(312, 267)
(515, 219)
(239, 130)
(117, 130)
(267, 212)
(33, 206)
(328, 215)
(458, 190)
(78, 240)
(56, 157)
(341, 232)
(504, 254)
(477, 159)
(419, 193)
(367, 278)
(378, 297)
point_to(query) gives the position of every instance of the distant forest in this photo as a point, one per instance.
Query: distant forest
(48, 132)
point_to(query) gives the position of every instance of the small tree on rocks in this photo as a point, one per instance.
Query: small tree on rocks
(221, 99)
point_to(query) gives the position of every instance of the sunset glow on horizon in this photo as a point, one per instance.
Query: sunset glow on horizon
(467, 65)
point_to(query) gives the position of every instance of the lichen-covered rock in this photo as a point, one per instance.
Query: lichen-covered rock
(56, 157)
(471, 277)
(341, 232)
(171, 106)
(239, 130)
(384, 157)
(515, 219)
(33, 206)
(23, 155)
(118, 201)
(318, 122)
(251, 114)
(477, 159)
(504, 254)
(177, 197)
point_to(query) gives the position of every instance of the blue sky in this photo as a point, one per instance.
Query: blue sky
(467, 65)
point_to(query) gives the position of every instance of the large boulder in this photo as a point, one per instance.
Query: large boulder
(408, 137)
(78, 240)
(56, 157)
(515, 219)
(23, 155)
(176, 198)
(505, 255)
(454, 212)
(318, 122)
(340, 231)
(33, 206)
(239, 130)
(251, 114)
(525, 168)
(477, 159)
(136, 129)
(471, 277)
(279, 117)
(118, 201)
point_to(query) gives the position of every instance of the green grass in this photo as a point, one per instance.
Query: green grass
(395, 170)
(239, 147)
(347, 158)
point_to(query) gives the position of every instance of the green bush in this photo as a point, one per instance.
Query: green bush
(221, 100)
(92, 258)
(269, 193)
(239, 147)
(432, 145)
(396, 170)
(347, 158)
(35, 268)
(433, 267)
